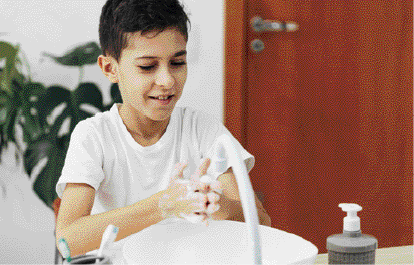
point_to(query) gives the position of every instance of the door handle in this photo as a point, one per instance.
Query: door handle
(260, 25)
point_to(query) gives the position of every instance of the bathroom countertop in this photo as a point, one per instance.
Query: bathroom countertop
(394, 255)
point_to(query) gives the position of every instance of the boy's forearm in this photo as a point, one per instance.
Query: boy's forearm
(85, 234)
(264, 218)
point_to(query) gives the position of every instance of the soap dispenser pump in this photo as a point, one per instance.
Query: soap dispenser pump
(351, 247)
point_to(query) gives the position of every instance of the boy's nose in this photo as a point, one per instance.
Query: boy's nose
(165, 79)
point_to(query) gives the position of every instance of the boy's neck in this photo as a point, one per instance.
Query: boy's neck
(147, 130)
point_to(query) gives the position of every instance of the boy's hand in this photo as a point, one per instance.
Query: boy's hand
(211, 189)
(188, 198)
(199, 188)
(220, 206)
(175, 201)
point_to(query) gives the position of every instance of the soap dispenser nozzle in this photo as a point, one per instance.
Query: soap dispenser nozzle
(351, 221)
(351, 247)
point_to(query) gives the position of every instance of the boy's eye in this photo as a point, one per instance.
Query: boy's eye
(178, 63)
(147, 68)
(173, 63)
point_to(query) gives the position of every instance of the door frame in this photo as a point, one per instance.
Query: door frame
(235, 72)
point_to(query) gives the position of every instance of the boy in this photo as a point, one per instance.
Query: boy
(122, 165)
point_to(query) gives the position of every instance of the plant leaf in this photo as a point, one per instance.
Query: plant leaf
(46, 146)
(42, 139)
(79, 56)
(9, 52)
(86, 93)
(52, 98)
(32, 93)
(9, 123)
(3, 144)
(4, 98)
(31, 126)
(49, 144)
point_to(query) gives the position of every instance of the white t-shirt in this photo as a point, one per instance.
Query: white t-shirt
(103, 154)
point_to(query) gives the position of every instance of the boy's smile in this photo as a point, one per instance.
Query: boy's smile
(152, 68)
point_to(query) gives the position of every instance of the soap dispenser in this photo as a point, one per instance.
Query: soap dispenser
(351, 247)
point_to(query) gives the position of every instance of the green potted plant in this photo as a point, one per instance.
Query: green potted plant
(29, 104)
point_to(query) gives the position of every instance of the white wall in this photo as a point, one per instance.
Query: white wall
(55, 26)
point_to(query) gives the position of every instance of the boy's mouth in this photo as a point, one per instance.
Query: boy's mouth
(163, 101)
(162, 98)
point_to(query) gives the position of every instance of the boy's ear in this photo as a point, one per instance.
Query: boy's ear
(109, 68)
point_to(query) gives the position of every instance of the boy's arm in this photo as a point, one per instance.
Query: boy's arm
(233, 207)
(83, 232)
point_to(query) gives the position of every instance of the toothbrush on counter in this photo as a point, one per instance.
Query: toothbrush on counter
(107, 239)
(64, 249)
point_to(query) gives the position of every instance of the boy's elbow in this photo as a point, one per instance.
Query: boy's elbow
(58, 236)
(60, 233)
(266, 221)
(57, 242)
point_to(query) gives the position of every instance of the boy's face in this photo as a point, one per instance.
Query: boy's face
(149, 67)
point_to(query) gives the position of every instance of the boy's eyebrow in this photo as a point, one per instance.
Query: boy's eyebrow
(183, 52)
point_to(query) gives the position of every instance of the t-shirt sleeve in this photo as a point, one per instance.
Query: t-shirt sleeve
(83, 161)
(209, 130)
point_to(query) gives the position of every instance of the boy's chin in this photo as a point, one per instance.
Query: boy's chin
(161, 115)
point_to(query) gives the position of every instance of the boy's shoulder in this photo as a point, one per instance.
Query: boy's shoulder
(98, 120)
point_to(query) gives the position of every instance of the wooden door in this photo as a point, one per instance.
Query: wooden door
(327, 113)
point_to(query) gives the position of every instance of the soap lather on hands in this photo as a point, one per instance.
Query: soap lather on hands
(194, 199)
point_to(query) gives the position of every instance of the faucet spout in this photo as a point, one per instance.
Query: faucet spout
(227, 151)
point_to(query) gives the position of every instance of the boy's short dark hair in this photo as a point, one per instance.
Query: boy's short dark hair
(120, 17)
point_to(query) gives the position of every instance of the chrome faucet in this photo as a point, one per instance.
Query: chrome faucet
(225, 150)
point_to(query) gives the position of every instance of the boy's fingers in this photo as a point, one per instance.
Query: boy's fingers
(213, 197)
(197, 197)
(206, 179)
(178, 171)
(212, 208)
(216, 186)
(199, 187)
(202, 170)
(204, 167)
(181, 170)
(195, 218)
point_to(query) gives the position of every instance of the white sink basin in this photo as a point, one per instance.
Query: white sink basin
(222, 242)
